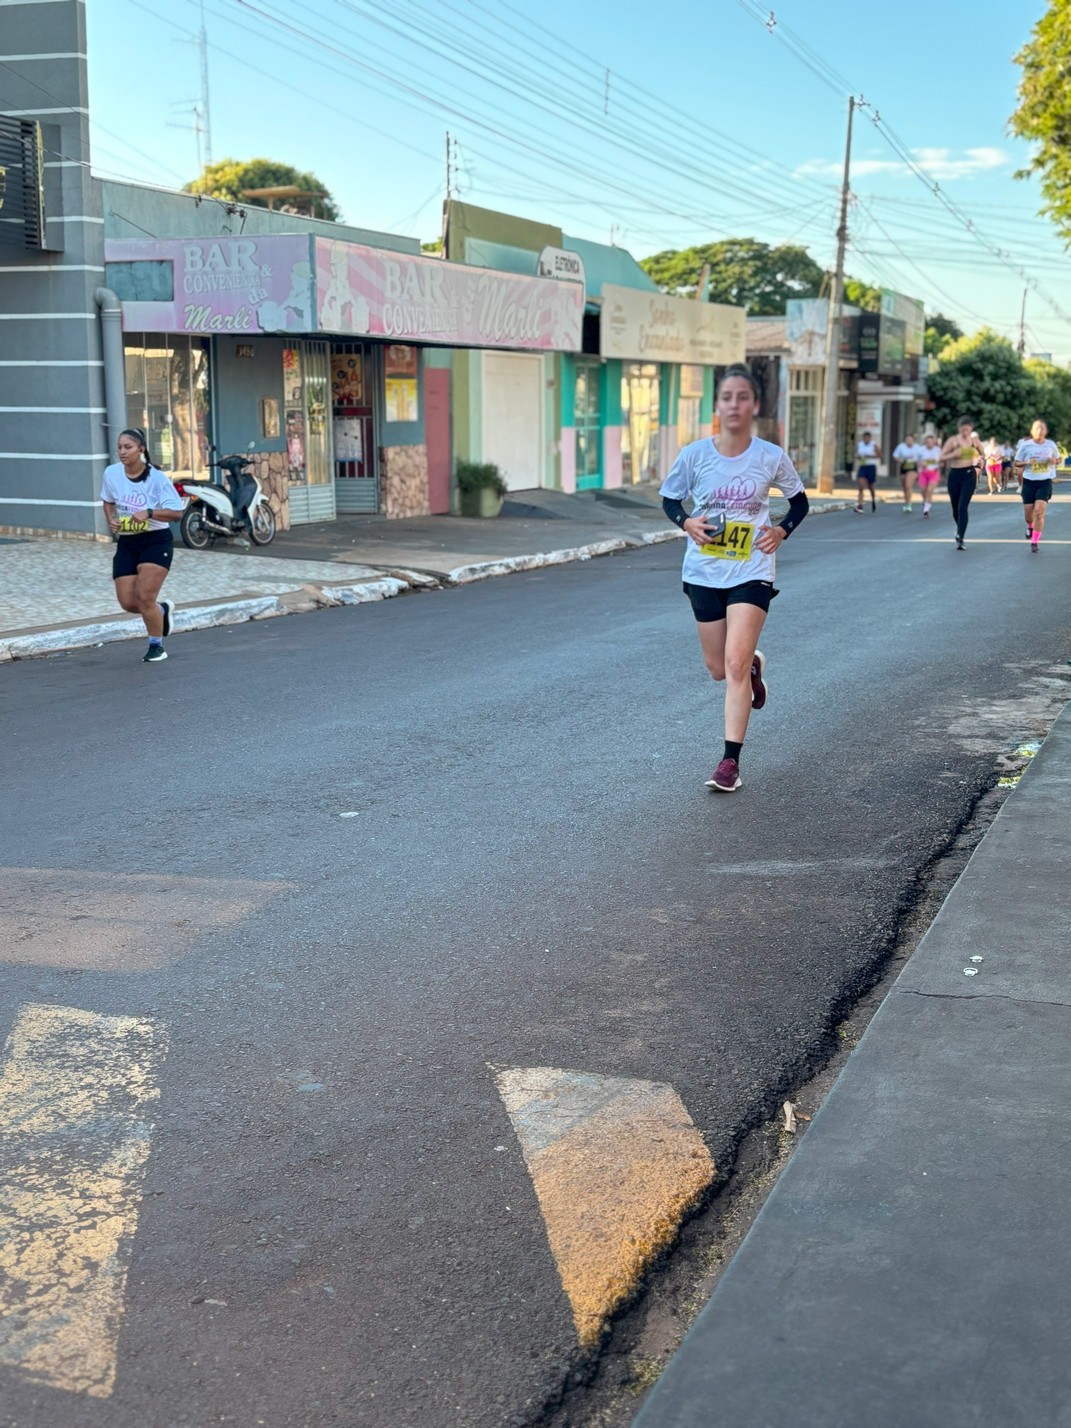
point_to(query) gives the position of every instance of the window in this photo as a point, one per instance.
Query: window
(588, 427)
(640, 407)
(167, 397)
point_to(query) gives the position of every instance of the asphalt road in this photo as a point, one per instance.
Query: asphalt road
(335, 1224)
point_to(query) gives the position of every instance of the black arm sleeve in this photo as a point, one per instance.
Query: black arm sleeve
(675, 510)
(798, 506)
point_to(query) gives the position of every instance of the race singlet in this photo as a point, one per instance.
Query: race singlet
(734, 543)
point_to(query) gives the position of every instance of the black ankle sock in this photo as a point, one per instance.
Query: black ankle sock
(732, 751)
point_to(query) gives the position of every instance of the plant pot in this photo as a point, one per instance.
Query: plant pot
(484, 501)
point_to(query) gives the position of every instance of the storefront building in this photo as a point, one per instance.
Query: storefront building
(617, 411)
(312, 354)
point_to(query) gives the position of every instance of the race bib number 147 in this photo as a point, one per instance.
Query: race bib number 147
(734, 543)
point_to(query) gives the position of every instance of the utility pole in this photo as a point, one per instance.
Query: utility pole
(1022, 328)
(827, 451)
(449, 195)
(202, 44)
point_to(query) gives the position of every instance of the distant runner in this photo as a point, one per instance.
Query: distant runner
(994, 463)
(929, 471)
(963, 456)
(139, 502)
(908, 454)
(1007, 452)
(729, 561)
(1035, 465)
(868, 454)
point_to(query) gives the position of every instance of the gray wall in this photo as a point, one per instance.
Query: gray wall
(137, 211)
(53, 443)
(237, 387)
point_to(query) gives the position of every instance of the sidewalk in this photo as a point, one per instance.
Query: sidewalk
(911, 1267)
(57, 594)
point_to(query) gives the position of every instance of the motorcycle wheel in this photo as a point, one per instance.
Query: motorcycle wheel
(262, 527)
(195, 534)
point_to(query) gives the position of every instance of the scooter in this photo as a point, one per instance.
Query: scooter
(227, 509)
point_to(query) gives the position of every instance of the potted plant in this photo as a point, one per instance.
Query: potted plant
(480, 488)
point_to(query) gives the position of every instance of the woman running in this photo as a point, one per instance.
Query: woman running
(963, 456)
(994, 461)
(908, 453)
(1035, 466)
(139, 502)
(929, 471)
(729, 561)
(1007, 452)
(868, 454)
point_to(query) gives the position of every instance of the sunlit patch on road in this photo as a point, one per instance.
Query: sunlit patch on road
(76, 1089)
(616, 1164)
(90, 920)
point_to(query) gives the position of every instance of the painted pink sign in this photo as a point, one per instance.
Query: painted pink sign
(226, 284)
(375, 293)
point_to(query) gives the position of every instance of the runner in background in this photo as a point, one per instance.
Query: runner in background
(1007, 452)
(729, 560)
(994, 461)
(867, 454)
(1035, 465)
(929, 471)
(908, 454)
(139, 504)
(962, 455)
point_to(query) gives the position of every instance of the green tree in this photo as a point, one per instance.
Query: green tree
(743, 272)
(230, 178)
(1050, 399)
(1044, 113)
(981, 377)
(940, 330)
(862, 295)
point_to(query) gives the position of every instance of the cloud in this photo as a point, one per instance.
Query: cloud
(940, 164)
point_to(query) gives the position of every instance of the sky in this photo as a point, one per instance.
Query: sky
(620, 123)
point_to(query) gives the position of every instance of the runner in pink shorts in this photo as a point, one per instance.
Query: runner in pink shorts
(929, 472)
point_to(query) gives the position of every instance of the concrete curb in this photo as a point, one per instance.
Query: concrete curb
(202, 617)
(304, 598)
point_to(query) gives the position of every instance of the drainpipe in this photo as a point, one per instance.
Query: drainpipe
(111, 341)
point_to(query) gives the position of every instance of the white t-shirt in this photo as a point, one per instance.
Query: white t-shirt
(908, 452)
(866, 452)
(133, 498)
(738, 487)
(1040, 458)
(929, 458)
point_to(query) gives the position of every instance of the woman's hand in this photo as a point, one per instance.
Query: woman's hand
(696, 527)
(769, 538)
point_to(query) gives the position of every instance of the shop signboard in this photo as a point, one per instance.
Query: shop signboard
(891, 340)
(213, 285)
(910, 312)
(563, 264)
(806, 320)
(868, 333)
(653, 327)
(373, 292)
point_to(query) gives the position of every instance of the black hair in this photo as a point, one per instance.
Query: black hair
(964, 421)
(139, 436)
(738, 369)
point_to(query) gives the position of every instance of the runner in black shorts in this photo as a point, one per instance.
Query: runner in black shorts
(1035, 465)
(729, 560)
(139, 502)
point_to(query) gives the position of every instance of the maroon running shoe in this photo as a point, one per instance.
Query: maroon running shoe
(726, 777)
(758, 682)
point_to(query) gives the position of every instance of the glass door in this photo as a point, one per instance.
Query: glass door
(307, 395)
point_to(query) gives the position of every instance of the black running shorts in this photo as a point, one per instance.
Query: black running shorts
(1036, 490)
(144, 548)
(868, 473)
(709, 603)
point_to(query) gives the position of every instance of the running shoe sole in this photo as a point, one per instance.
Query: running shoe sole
(168, 607)
(721, 788)
(156, 659)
